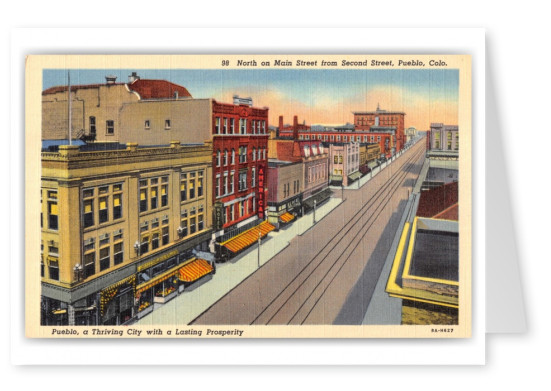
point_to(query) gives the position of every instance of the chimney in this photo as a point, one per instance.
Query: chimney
(110, 79)
(133, 77)
(280, 125)
(295, 127)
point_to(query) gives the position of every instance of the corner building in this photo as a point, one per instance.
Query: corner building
(119, 230)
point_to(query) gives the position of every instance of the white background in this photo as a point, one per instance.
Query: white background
(518, 55)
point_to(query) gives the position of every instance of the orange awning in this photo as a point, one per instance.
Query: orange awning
(245, 239)
(195, 270)
(286, 217)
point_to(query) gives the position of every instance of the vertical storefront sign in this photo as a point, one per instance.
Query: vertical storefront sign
(260, 202)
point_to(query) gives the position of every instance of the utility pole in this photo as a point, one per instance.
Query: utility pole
(70, 110)
(259, 248)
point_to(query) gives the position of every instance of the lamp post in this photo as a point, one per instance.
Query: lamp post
(259, 248)
(314, 211)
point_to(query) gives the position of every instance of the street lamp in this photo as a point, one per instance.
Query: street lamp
(314, 211)
(77, 270)
(259, 248)
(137, 247)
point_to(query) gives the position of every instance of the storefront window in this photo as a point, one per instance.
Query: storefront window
(145, 300)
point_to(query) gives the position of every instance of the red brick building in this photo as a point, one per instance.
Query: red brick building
(240, 144)
(374, 121)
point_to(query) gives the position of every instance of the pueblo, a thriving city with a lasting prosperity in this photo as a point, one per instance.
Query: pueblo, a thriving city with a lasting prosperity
(158, 207)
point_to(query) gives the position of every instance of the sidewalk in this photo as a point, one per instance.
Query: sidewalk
(201, 295)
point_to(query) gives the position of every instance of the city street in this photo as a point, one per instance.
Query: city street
(327, 274)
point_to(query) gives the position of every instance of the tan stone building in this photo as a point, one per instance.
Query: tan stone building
(119, 229)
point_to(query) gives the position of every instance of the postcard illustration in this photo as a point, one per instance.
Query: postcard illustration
(248, 196)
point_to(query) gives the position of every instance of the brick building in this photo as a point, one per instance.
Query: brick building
(375, 121)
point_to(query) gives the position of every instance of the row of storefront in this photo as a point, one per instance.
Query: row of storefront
(151, 284)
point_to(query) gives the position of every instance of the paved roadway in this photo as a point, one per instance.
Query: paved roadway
(327, 274)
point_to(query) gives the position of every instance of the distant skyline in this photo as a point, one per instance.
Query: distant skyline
(316, 96)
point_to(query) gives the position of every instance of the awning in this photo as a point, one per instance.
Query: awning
(318, 197)
(286, 217)
(156, 280)
(245, 239)
(355, 175)
(195, 270)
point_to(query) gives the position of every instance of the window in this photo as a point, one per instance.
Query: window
(53, 214)
(241, 208)
(147, 124)
(183, 187)
(117, 253)
(217, 185)
(200, 223)
(336, 159)
(218, 158)
(192, 226)
(182, 231)
(110, 126)
(264, 126)
(104, 258)
(254, 154)
(232, 181)
(225, 184)
(117, 203)
(155, 240)
(92, 125)
(53, 270)
(457, 141)
(144, 245)
(88, 213)
(143, 200)
(217, 125)
(253, 125)
(192, 188)
(225, 157)
(242, 181)
(225, 127)
(232, 215)
(200, 184)
(233, 156)
(253, 176)
(89, 264)
(153, 192)
(164, 233)
(232, 125)
(242, 154)
(167, 124)
(243, 126)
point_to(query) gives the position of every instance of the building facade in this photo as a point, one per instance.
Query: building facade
(344, 163)
(119, 229)
(240, 157)
(285, 191)
(373, 120)
(443, 137)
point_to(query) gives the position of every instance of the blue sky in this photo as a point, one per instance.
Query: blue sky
(315, 95)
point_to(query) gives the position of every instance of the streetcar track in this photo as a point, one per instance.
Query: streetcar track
(396, 178)
(340, 268)
(398, 181)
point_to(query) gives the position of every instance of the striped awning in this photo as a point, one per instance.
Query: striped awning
(245, 239)
(286, 217)
(195, 270)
